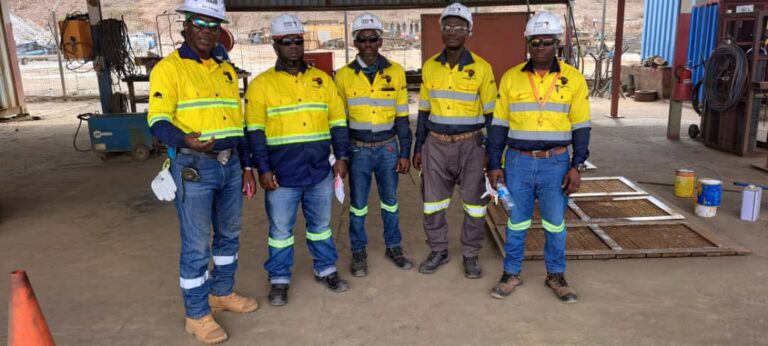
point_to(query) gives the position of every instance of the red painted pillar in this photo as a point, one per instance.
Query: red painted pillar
(617, 50)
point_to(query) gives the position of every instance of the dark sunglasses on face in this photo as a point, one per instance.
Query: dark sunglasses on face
(286, 41)
(458, 29)
(202, 24)
(369, 39)
(546, 42)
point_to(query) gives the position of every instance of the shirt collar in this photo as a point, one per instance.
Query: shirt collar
(466, 59)
(280, 67)
(187, 53)
(383, 64)
(555, 68)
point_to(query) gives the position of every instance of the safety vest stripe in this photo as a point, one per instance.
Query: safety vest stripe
(521, 226)
(210, 99)
(453, 95)
(402, 109)
(488, 107)
(206, 135)
(389, 208)
(282, 110)
(374, 102)
(319, 236)
(189, 284)
(358, 212)
(499, 122)
(224, 260)
(159, 117)
(457, 119)
(553, 228)
(581, 125)
(358, 125)
(280, 243)
(475, 210)
(424, 104)
(338, 123)
(198, 104)
(434, 207)
(533, 107)
(310, 137)
(540, 135)
(255, 127)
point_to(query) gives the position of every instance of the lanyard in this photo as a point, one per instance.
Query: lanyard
(543, 101)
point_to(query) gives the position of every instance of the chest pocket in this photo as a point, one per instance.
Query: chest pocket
(562, 94)
(469, 85)
(520, 96)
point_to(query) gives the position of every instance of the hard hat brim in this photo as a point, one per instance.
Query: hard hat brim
(185, 9)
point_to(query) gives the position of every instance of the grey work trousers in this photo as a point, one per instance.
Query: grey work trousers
(445, 164)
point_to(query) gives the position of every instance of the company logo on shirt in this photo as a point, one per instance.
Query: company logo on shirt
(158, 95)
(229, 77)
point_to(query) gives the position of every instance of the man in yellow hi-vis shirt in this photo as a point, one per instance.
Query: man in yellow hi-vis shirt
(374, 90)
(195, 108)
(541, 110)
(455, 104)
(294, 115)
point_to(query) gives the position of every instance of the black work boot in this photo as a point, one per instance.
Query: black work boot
(556, 281)
(333, 282)
(472, 269)
(395, 255)
(506, 285)
(434, 261)
(278, 294)
(359, 266)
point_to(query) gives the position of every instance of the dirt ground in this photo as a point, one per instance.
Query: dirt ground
(102, 255)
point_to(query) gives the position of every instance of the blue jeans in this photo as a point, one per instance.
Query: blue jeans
(365, 162)
(282, 206)
(214, 202)
(529, 179)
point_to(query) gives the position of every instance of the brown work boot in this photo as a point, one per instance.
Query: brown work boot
(556, 281)
(506, 285)
(206, 330)
(233, 302)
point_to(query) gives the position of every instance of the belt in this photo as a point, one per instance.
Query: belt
(455, 138)
(213, 154)
(543, 154)
(362, 144)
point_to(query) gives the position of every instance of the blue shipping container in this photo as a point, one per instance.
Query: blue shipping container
(659, 28)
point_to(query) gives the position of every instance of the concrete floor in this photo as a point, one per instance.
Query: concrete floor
(102, 254)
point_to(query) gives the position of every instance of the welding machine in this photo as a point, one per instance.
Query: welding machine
(119, 132)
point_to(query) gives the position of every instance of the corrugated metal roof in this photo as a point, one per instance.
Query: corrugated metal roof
(336, 5)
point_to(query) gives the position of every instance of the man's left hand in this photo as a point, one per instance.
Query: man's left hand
(403, 166)
(249, 184)
(571, 181)
(340, 168)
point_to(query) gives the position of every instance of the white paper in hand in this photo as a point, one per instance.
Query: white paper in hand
(490, 191)
(163, 185)
(338, 187)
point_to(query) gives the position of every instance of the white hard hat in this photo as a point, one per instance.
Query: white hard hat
(286, 24)
(544, 23)
(366, 21)
(457, 10)
(210, 8)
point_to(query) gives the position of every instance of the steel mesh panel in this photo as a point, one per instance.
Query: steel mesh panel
(620, 208)
(607, 186)
(672, 236)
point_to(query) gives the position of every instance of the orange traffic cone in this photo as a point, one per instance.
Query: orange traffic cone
(26, 324)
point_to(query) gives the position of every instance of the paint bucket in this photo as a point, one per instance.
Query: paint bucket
(750, 203)
(684, 182)
(708, 193)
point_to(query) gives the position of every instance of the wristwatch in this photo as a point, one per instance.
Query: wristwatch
(581, 167)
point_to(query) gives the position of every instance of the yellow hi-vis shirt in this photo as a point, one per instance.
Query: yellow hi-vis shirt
(458, 96)
(373, 106)
(552, 121)
(196, 97)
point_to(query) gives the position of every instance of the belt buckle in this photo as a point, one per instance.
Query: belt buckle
(223, 157)
(535, 153)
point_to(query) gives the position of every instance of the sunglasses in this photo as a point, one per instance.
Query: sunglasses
(458, 28)
(286, 41)
(546, 42)
(369, 39)
(202, 24)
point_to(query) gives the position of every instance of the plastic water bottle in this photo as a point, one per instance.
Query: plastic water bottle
(505, 196)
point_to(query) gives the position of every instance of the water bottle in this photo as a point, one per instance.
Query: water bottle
(505, 196)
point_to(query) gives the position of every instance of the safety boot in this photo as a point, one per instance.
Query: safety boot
(359, 266)
(232, 302)
(333, 282)
(278, 294)
(206, 330)
(472, 269)
(506, 285)
(395, 254)
(556, 281)
(434, 261)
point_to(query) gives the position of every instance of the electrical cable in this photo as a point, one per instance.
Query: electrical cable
(82, 117)
(725, 77)
(698, 105)
(116, 49)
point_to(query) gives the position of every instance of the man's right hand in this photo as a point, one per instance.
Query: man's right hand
(191, 140)
(417, 161)
(268, 181)
(495, 176)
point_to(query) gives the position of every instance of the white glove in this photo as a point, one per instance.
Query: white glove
(338, 187)
(163, 185)
(490, 191)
